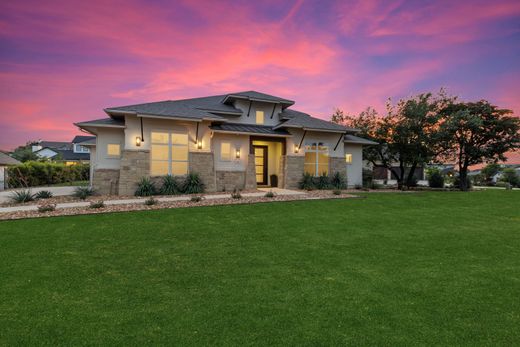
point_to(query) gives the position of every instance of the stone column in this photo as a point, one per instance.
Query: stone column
(106, 181)
(337, 165)
(250, 183)
(203, 164)
(134, 166)
(293, 170)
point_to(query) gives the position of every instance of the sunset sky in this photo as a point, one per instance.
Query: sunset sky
(64, 61)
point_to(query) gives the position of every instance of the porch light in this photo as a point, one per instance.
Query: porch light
(238, 153)
(296, 148)
(199, 144)
(138, 141)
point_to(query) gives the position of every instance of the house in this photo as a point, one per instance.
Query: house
(68, 152)
(243, 140)
(5, 161)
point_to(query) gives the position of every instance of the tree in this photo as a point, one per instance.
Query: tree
(406, 135)
(489, 171)
(510, 176)
(477, 132)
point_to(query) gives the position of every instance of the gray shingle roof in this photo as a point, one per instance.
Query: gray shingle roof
(297, 119)
(102, 122)
(56, 145)
(359, 140)
(82, 138)
(196, 108)
(7, 160)
(249, 128)
(252, 95)
(70, 155)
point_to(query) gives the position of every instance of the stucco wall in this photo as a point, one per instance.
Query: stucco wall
(355, 169)
(260, 106)
(330, 139)
(237, 142)
(101, 158)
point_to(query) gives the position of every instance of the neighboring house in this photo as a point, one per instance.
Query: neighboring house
(68, 152)
(5, 161)
(241, 140)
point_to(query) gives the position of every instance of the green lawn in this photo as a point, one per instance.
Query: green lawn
(392, 269)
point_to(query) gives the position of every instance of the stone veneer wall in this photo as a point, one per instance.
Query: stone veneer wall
(281, 173)
(293, 171)
(203, 164)
(106, 181)
(337, 165)
(229, 180)
(250, 182)
(134, 166)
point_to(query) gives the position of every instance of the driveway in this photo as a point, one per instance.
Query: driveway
(56, 191)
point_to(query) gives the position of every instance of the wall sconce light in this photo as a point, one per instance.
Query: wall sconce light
(138, 141)
(238, 153)
(199, 144)
(296, 149)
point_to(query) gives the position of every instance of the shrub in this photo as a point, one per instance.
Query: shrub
(323, 181)
(307, 182)
(97, 204)
(336, 192)
(145, 187)
(46, 208)
(510, 176)
(193, 184)
(83, 192)
(43, 194)
(269, 194)
(456, 182)
(35, 173)
(338, 181)
(151, 201)
(435, 178)
(170, 186)
(236, 194)
(21, 196)
(196, 198)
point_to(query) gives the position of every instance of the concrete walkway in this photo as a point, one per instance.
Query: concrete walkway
(56, 191)
(141, 200)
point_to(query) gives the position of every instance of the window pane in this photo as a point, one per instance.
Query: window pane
(310, 169)
(180, 153)
(348, 158)
(160, 138)
(113, 149)
(323, 158)
(259, 178)
(323, 169)
(259, 161)
(259, 117)
(310, 158)
(159, 152)
(225, 151)
(179, 139)
(159, 168)
(179, 168)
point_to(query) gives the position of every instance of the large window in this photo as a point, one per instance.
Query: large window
(259, 117)
(169, 154)
(80, 149)
(316, 159)
(225, 151)
(113, 149)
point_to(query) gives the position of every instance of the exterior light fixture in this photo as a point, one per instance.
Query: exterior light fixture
(199, 144)
(296, 149)
(138, 141)
(238, 153)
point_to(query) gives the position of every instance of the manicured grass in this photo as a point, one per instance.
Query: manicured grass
(392, 269)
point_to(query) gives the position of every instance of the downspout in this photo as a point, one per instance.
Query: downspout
(197, 135)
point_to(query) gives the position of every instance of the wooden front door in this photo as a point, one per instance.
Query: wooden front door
(260, 164)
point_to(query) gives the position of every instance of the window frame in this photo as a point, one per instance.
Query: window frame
(317, 151)
(80, 149)
(349, 158)
(171, 147)
(256, 117)
(114, 155)
(230, 154)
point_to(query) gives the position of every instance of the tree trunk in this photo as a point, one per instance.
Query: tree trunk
(409, 178)
(463, 177)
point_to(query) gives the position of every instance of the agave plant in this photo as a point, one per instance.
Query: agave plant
(338, 181)
(307, 182)
(145, 187)
(43, 194)
(83, 192)
(170, 186)
(323, 181)
(21, 196)
(193, 184)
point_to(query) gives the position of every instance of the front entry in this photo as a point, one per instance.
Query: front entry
(261, 164)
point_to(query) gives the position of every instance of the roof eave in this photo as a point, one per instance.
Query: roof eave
(249, 133)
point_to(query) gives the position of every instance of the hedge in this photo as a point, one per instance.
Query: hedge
(34, 173)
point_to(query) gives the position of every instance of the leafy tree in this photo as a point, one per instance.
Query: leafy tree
(406, 135)
(25, 153)
(510, 176)
(489, 171)
(476, 132)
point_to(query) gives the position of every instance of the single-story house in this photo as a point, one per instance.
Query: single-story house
(70, 153)
(5, 161)
(240, 140)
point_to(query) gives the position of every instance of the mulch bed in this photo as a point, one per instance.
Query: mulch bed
(163, 205)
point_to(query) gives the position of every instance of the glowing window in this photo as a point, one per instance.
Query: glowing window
(316, 160)
(348, 158)
(169, 154)
(113, 150)
(225, 151)
(259, 117)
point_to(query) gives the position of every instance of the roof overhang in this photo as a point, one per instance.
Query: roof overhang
(249, 133)
(336, 131)
(187, 119)
(230, 97)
